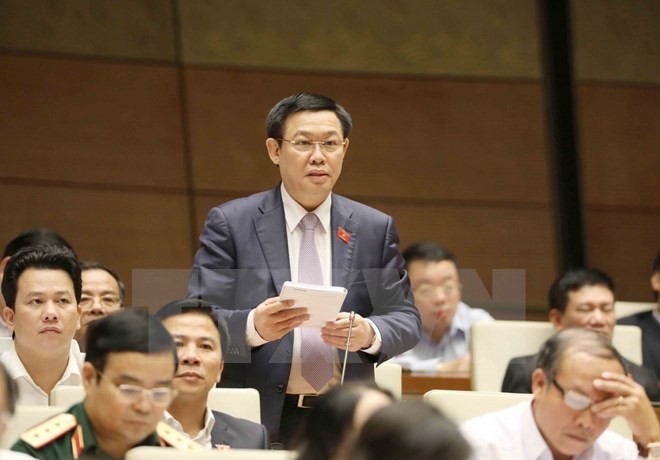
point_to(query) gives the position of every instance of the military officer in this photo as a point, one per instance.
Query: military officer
(128, 378)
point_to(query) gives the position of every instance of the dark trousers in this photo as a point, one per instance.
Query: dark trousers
(291, 424)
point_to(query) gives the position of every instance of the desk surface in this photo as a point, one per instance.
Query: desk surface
(418, 383)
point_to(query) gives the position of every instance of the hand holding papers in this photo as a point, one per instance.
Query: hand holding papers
(322, 302)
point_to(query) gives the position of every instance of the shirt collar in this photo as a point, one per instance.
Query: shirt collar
(534, 444)
(293, 212)
(18, 369)
(204, 436)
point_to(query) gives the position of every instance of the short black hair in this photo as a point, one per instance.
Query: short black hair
(199, 307)
(35, 237)
(128, 330)
(91, 265)
(43, 257)
(301, 102)
(12, 389)
(572, 280)
(594, 343)
(331, 419)
(656, 263)
(410, 429)
(428, 251)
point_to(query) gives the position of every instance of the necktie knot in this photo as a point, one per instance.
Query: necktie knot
(309, 221)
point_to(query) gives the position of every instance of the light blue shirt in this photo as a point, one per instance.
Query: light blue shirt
(455, 343)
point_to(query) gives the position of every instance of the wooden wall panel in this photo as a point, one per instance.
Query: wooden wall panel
(412, 138)
(90, 122)
(620, 143)
(124, 230)
(140, 29)
(424, 37)
(616, 41)
(624, 244)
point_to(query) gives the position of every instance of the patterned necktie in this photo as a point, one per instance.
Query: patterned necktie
(316, 359)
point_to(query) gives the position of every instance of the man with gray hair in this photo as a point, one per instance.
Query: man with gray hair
(579, 385)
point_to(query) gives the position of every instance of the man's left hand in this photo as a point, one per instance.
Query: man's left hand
(336, 332)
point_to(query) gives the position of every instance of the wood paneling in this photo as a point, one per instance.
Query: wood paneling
(412, 138)
(122, 230)
(90, 122)
(109, 28)
(620, 141)
(424, 37)
(624, 244)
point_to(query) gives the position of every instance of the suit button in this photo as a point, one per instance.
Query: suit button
(280, 388)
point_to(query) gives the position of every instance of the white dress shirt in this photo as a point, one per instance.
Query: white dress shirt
(29, 392)
(512, 434)
(202, 438)
(293, 214)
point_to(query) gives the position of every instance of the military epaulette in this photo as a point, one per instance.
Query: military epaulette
(49, 430)
(174, 438)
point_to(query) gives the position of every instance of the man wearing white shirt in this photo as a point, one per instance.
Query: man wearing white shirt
(579, 385)
(446, 321)
(42, 288)
(201, 338)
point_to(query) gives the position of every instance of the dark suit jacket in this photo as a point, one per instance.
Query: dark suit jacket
(518, 377)
(243, 259)
(238, 433)
(650, 338)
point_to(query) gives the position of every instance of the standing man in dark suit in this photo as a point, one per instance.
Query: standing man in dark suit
(201, 339)
(649, 323)
(251, 246)
(582, 297)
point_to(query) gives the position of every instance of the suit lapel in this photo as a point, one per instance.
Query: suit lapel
(343, 237)
(220, 433)
(271, 231)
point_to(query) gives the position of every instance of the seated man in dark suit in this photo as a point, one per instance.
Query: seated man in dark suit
(582, 297)
(649, 323)
(201, 340)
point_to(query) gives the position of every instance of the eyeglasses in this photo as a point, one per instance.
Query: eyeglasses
(429, 291)
(107, 301)
(573, 399)
(307, 146)
(161, 396)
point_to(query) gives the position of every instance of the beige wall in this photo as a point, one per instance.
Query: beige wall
(123, 122)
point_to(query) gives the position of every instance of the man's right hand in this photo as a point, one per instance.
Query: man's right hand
(273, 319)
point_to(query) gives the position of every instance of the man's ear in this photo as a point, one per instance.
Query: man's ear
(222, 366)
(655, 282)
(273, 147)
(88, 375)
(539, 381)
(8, 316)
(555, 317)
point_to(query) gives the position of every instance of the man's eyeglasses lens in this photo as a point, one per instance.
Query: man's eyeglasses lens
(306, 146)
(573, 399)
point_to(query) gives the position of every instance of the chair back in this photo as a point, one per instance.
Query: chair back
(164, 453)
(239, 402)
(5, 343)
(623, 309)
(25, 418)
(67, 395)
(494, 343)
(464, 405)
(388, 376)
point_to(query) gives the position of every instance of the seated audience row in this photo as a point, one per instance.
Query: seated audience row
(579, 383)
(581, 298)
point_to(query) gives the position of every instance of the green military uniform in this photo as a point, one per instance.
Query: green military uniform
(70, 436)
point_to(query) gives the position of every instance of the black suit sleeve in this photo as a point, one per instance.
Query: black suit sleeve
(517, 378)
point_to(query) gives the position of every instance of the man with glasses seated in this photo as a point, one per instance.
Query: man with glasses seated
(102, 294)
(128, 378)
(446, 321)
(579, 385)
(581, 297)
